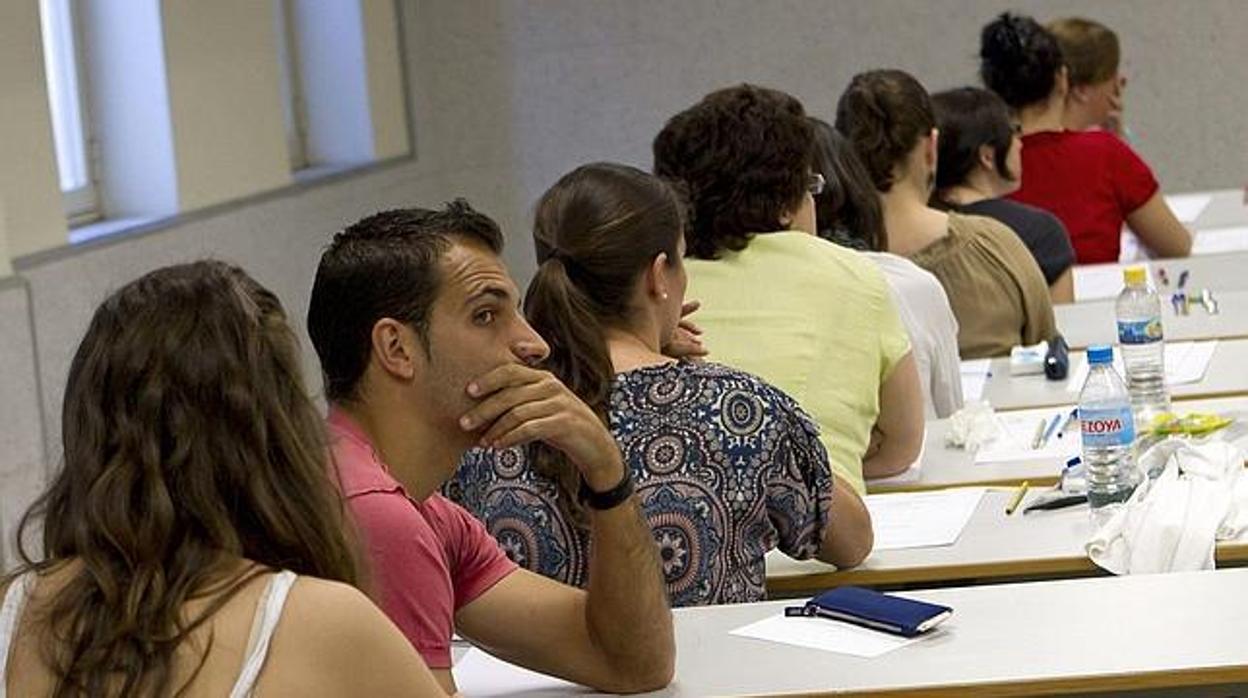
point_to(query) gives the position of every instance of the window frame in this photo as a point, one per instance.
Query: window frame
(80, 204)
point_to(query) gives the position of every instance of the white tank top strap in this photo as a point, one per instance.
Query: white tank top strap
(10, 614)
(268, 613)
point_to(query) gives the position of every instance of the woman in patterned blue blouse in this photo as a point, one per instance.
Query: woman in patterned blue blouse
(726, 466)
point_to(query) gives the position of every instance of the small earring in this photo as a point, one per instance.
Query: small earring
(663, 295)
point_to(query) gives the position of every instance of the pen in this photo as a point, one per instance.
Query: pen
(1070, 419)
(1057, 418)
(1039, 437)
(1069, 500)
(1182, 278)
(1017, 499)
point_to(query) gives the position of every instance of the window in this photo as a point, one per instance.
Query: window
(293, 107)
(69, 132)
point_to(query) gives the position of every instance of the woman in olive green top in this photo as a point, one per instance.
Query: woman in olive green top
(995, 288)
(809, 316)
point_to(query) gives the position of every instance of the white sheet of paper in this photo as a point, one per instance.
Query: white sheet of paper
(1017, 431)
(1213, 240)
(1188, 207)
(1186, 362)
(1100, 281)
(480, 675)
(975, 375)
(823, 634)
(921, 519)
(909, 475)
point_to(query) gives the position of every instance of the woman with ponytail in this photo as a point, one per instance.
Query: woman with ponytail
(193, 543)
(727, 467)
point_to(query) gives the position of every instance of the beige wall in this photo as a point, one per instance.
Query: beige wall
(224, 100)
(33, 217)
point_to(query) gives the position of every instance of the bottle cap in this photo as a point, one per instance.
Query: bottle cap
(1100, 354)
(1134, 276)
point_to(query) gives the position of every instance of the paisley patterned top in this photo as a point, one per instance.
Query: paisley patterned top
(726, 466)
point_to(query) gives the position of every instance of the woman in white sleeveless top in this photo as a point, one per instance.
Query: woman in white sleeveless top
(193, 543)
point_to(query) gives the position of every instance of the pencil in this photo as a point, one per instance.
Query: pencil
(1017, 499)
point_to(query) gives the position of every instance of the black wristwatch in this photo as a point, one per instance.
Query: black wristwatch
(612, 498)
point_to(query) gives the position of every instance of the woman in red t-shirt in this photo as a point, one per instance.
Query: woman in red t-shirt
(1091, 180)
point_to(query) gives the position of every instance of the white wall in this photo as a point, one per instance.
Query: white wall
(21, 444)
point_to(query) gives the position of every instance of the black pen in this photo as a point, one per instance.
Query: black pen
(1057, 503)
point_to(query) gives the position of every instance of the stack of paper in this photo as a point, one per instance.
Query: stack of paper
(1017, 433)
(823, 634)
(1186, 362)
(1213, 240)
(478, 674)
(1188, 207)
(975, 375)
(1095, 282)
(921, 519)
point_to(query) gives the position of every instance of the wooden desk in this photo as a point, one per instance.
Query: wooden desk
(993, 546)
(1093, 322)
(1227, 375)
(945, 466)
(1113, 634)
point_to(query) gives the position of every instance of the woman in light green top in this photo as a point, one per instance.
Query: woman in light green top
(811, 317)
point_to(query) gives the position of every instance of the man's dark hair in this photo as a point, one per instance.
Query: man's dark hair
(742, 156)
(384, 266)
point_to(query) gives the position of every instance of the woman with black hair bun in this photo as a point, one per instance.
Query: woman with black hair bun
(1090, 180)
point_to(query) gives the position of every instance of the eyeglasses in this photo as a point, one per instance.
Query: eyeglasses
(815, 184)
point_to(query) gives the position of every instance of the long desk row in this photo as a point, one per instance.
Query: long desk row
(1121, 634)
(946, 466)
(1085, 324)
(992, 546)
(1226, 375)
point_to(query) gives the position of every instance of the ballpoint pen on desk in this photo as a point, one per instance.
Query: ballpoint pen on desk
(1070, 419)
(1182, 279)
(1048, 432)
(1017, 499)
(1059, 501)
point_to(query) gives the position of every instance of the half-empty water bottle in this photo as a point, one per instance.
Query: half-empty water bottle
(1138, 310)
(1107, 432)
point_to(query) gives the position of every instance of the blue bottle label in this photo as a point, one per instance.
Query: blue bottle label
(1139, 331)
(1107, 427)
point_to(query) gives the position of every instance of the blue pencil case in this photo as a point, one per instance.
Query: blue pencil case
(871, 609)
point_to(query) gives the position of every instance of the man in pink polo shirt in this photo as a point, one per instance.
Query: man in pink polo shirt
(425, 354)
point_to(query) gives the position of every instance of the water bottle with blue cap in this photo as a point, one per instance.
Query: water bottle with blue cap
(1107, 432)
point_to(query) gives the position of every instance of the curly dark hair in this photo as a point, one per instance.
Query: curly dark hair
(884, 113)
(742, 156)
(1019, 59)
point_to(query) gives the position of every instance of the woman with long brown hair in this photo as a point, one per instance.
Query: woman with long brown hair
(726, 466)
(193, 542)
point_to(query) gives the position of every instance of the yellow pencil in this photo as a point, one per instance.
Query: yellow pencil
(1017, 499)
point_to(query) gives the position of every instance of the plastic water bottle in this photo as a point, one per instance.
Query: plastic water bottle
(1143, 349)
(1107, 432)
